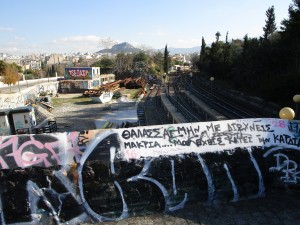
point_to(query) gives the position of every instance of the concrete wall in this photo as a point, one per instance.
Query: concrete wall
(27, 95)
(110, 175)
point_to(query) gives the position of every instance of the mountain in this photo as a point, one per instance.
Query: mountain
(126, 48)
(118, 48)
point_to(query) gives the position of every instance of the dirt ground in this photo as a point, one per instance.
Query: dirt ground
(79, 117)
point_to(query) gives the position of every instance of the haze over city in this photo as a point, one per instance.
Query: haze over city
(56, 26)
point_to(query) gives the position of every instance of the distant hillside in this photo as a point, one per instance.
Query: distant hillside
(126, 48)
(118, 48)
(173, 51)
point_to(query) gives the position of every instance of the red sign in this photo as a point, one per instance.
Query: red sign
(78, 72)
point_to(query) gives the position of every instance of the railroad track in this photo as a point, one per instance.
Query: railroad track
(150, 111)
(217, 100)
(224, 103)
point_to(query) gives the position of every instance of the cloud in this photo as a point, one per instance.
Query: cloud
(6, 29)
(82, 43)
(86, 38)
(10, 50)
(18, 38)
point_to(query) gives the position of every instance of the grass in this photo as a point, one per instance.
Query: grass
(133, 93)
(81, 100)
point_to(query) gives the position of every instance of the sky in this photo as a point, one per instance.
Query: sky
(71, 26)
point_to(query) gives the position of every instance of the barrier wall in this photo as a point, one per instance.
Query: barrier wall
(27, 95)
(110, 175)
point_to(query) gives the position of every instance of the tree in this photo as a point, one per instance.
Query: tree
(123, 64)
(291, 35)
(2, 67)
(10, 75)
(166, 60)
(226, 40)
(202, 51)
(156, 61)
(218, 34)
(140, 57)
(270, 26)
(107, 44)
(194, 60)
(106, 64)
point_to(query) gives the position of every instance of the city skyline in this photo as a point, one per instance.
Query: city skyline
(33, 26)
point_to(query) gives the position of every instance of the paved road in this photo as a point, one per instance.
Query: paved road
(275, 209)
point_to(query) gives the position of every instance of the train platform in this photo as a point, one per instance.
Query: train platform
(211, 113)
(176, 116)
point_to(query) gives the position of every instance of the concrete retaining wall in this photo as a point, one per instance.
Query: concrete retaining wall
(27, 95)
(110, 175)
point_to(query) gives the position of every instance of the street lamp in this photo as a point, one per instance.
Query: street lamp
(191, 76)
(287, 113)
(296, 99)
(211, 82)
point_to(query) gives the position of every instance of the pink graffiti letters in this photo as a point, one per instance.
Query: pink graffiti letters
(30, 152)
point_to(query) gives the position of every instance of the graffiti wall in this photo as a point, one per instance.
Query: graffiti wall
(77, 86)
(28, 95)
(99, 175)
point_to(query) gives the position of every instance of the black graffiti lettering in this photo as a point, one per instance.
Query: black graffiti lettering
(181, 143)
(238, 138)
(219, 141)
(169, 133)
(263, 140)
(133, 134)
(217, 137)
(156, 133)
(190, 131)
(252, 127)
(231, 127)
(141, 144)
(126, 134)
(166, 134)
(179, 129)
(286, 139)
(127, 145)
(214, 128)
(268, 126)
(245, 126)
(294, 127)
(198, 142)
(144, 133)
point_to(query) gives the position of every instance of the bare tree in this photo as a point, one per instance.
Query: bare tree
(123, 64)
(107, 43)
(147, 49)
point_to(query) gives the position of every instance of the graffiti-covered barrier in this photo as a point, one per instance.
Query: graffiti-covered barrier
(110, 175)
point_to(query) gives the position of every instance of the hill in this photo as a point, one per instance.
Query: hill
(127, 48)
(118, 48)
